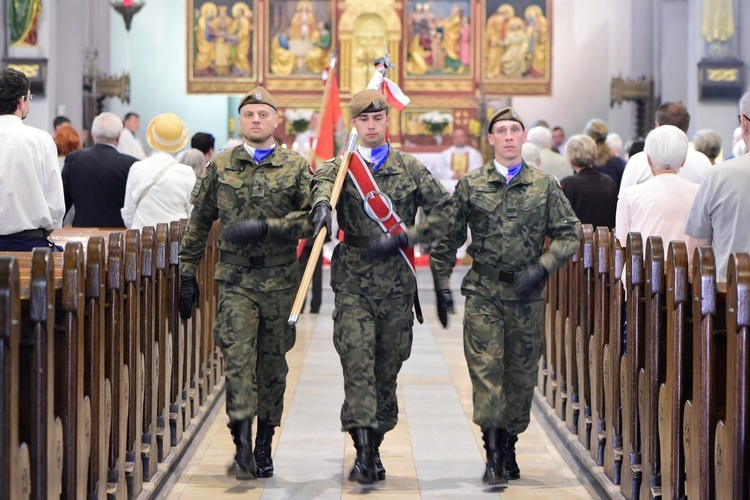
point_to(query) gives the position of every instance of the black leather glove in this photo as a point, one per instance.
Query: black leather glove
(529, 279)
(189, 296)
(385, 246)
(321, 216)
(444, 306)
(246, 231)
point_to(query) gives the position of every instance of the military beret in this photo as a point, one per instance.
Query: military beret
(504, 114)
(367, 101)
(258, 95)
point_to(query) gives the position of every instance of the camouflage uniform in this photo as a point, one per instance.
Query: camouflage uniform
(255, 299)
(373, 315)
(502, 333)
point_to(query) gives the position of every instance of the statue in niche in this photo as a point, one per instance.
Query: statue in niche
(717, 23)
(437, 33)
(451, 37)
(300, 29)
(514, 61)
(497, 30)
(283, 61)
(367, 45)
(537, 36)
(317, 58)
(243, 27)
(225, 39)
(205, 53)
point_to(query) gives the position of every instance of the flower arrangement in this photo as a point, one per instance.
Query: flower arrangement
(436, 121)
(298, 119)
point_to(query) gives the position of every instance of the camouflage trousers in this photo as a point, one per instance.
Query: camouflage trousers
(373, 338)
(252, 331)
(502, 345)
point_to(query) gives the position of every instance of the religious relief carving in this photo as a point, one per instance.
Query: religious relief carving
(300, 37)
(439, 38)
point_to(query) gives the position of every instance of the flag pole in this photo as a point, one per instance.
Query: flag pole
(338, 184)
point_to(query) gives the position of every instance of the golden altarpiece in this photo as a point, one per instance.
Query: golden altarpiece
(451, 57)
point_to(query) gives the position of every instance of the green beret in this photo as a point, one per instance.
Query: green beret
(367, 101)
(258, 95)
(504, 114)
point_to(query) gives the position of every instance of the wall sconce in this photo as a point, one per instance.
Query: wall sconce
(127, 9)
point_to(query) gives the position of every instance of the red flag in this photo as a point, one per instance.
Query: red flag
(325, 147)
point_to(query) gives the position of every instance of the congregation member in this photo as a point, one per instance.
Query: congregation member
(606, 161)
(531, 154)
(558, 140)
(511, 209)
(260, 194)
(591, 192)
(551, 162)
(372, 273)
(708, 142)
(696, 163)
(660, 205)
(736, 143)
(129, 143)
(717, 217)
(60, 121)
(614, 143)
(66, 140)
(94, 179)
(458, 159)
(31, 189)
(158, 188)
(204, 142)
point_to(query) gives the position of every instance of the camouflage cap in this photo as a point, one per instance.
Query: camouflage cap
(258, 95)
(367, 101)
(505, 114)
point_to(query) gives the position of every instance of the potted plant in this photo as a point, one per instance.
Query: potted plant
(436, 122)
(298, 119)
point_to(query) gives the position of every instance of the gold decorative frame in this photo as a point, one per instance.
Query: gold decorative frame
(222, 45)
(516, 47)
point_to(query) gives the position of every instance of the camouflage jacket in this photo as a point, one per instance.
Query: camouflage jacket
(409, 185)
(232, 188)
(508, 225)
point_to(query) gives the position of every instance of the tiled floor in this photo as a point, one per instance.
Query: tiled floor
(434, 452)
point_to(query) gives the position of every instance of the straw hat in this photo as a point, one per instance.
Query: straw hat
(167, 133)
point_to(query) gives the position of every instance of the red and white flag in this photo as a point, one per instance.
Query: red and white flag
(329, 119)
(396, 97)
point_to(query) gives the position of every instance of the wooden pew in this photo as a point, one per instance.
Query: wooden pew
(632, 365)
(598, 342)
(95, 386)
(613, 362)
(176, 422)
(673, 392)
(133, 359)
(550, 343)
(115, 369)
(164, 338)
(74, 410)
(584, 336)
(653, 374)
(39, 428)
(15, 468)
(732, 452)
(702, 411)
(572, 321)
(561, 311)
(149, 348)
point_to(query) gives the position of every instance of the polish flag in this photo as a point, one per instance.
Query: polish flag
(396, 97)
(329, 120)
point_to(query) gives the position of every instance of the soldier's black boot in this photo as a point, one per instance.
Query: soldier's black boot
(263, 440)
(511, 466)
(364, 471)
(377, 440)
(244, 461)
(494, 471)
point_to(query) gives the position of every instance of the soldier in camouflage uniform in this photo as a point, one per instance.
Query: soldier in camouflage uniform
(373, 284)
(260, 193)
(510, 208)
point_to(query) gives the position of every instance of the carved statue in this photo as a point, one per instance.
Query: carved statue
(718, 20)
(243, 27)
(497, 29)
(205, 51)
(537, 36)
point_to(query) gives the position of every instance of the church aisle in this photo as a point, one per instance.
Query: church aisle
(434, 452)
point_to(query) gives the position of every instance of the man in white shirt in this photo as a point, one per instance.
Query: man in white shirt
(553, 163)
(722, 203)
(659, 206)
(158, 188)
(458, 159)
(31, 188)
(696, 164)
(129, 143)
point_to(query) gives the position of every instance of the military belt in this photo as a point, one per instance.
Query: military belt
(29, 233)
(356, 241)
(493, 272)
(259, 261)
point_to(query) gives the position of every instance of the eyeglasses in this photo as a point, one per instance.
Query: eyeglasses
(29, 97)
(739, 118)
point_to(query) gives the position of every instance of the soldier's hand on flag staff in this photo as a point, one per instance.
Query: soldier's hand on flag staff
(444, 306)
(189, 296)
(386, 245)
(321, 217)
(246, 231)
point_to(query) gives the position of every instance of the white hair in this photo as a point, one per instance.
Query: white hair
(614, 141)
(745, 103)
(107, 126)
(666, 147)
(531, 154)
(540, 136)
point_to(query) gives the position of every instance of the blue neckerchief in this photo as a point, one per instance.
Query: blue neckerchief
(258, 154)
(512, 172)
(375, 157)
